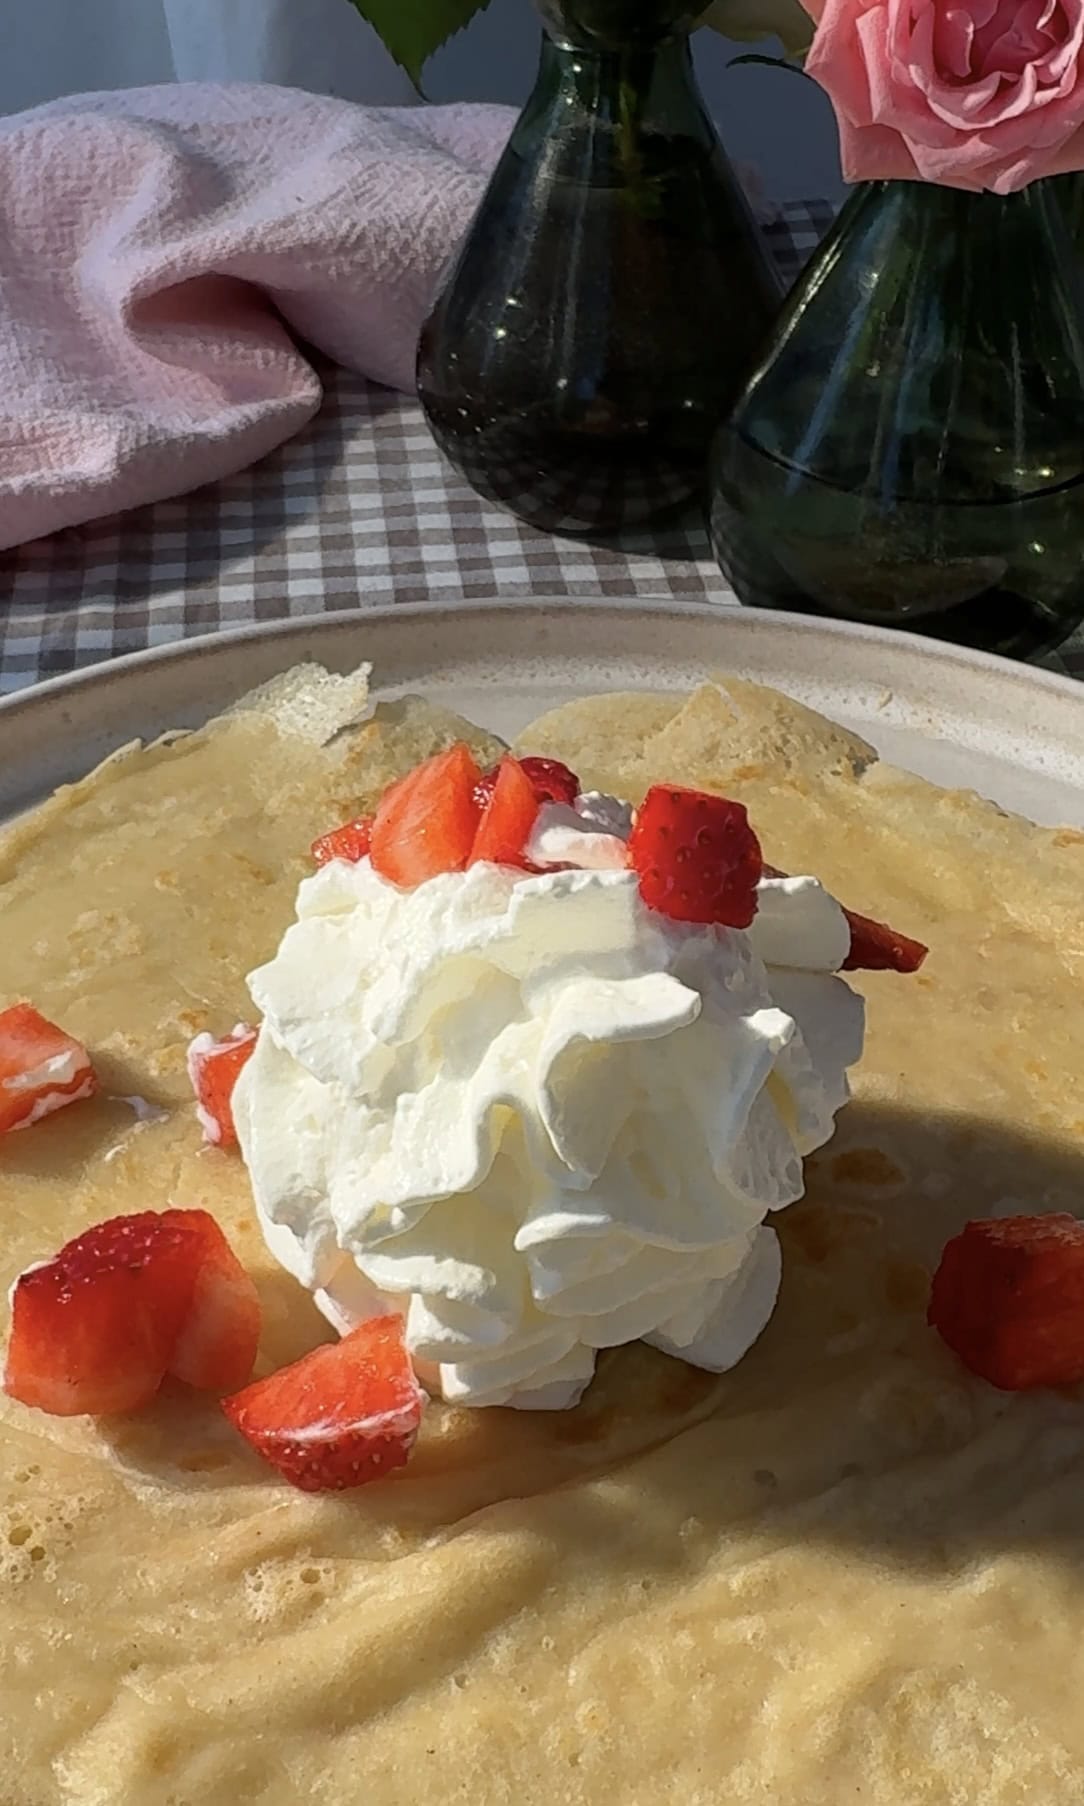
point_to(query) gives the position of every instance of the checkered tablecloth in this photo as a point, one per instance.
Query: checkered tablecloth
(358, 510)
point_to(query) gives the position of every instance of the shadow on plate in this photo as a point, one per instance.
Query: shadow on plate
(849, 1422)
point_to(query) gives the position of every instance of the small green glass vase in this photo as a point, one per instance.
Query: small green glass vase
(910, 449)
(611, 291)
(1071, 195)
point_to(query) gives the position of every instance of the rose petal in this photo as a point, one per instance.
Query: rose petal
(953, 39)
(872, 153)
(971, 93)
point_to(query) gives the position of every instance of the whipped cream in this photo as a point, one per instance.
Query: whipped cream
(590, 833)
(537, 1116)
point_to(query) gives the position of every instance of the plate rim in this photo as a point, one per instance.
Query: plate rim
(107, 671)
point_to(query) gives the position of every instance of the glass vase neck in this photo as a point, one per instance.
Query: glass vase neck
(637, 90)
(602, 26)
(931, 207)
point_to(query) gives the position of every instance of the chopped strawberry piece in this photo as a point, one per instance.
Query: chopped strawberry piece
(350, 842)
(485, 786)
(697, 856)
(875, 947)
(214, 1068)
(553, 782)
(507, 818)
(96, 1329)
(216, 1345)
(425, 823)
(92, 1329)
(345, 1414)
(41, 1068)
(1008, 1298)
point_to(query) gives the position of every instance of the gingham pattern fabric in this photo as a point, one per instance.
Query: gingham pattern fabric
(359, 510)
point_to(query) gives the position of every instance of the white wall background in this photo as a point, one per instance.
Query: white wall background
(773, 120)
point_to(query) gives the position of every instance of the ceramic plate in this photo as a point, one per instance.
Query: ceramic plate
(961, 718)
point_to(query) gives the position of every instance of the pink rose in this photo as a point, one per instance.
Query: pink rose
(970, 93)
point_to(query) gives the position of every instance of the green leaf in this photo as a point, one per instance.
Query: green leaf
(411, 30)
(750, 20)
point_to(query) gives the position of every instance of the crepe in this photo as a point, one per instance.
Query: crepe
(846, 1571)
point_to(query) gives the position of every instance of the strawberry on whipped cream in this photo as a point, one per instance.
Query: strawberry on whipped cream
(537, 1115)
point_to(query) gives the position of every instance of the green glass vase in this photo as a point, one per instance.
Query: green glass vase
(1071, 194)
(910, 448)
(611, 291)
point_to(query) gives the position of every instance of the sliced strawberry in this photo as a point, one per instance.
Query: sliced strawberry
(553, 782)
(485, 786)
(350, 842)
(95, 1329)
(92, 1329)
(875, 947)
(507, 818)
(214, 1068)
(343, 1415)
(697, 856)
(425, 823)
(216, 1344)
(41, 1068)
(1008, 1298)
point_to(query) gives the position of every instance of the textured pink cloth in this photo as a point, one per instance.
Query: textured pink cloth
(162, 249)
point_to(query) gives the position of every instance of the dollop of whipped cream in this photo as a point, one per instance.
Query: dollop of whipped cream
(537, 1116)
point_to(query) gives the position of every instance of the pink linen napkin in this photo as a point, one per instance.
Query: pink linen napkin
(162, 252)
(160, 248)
